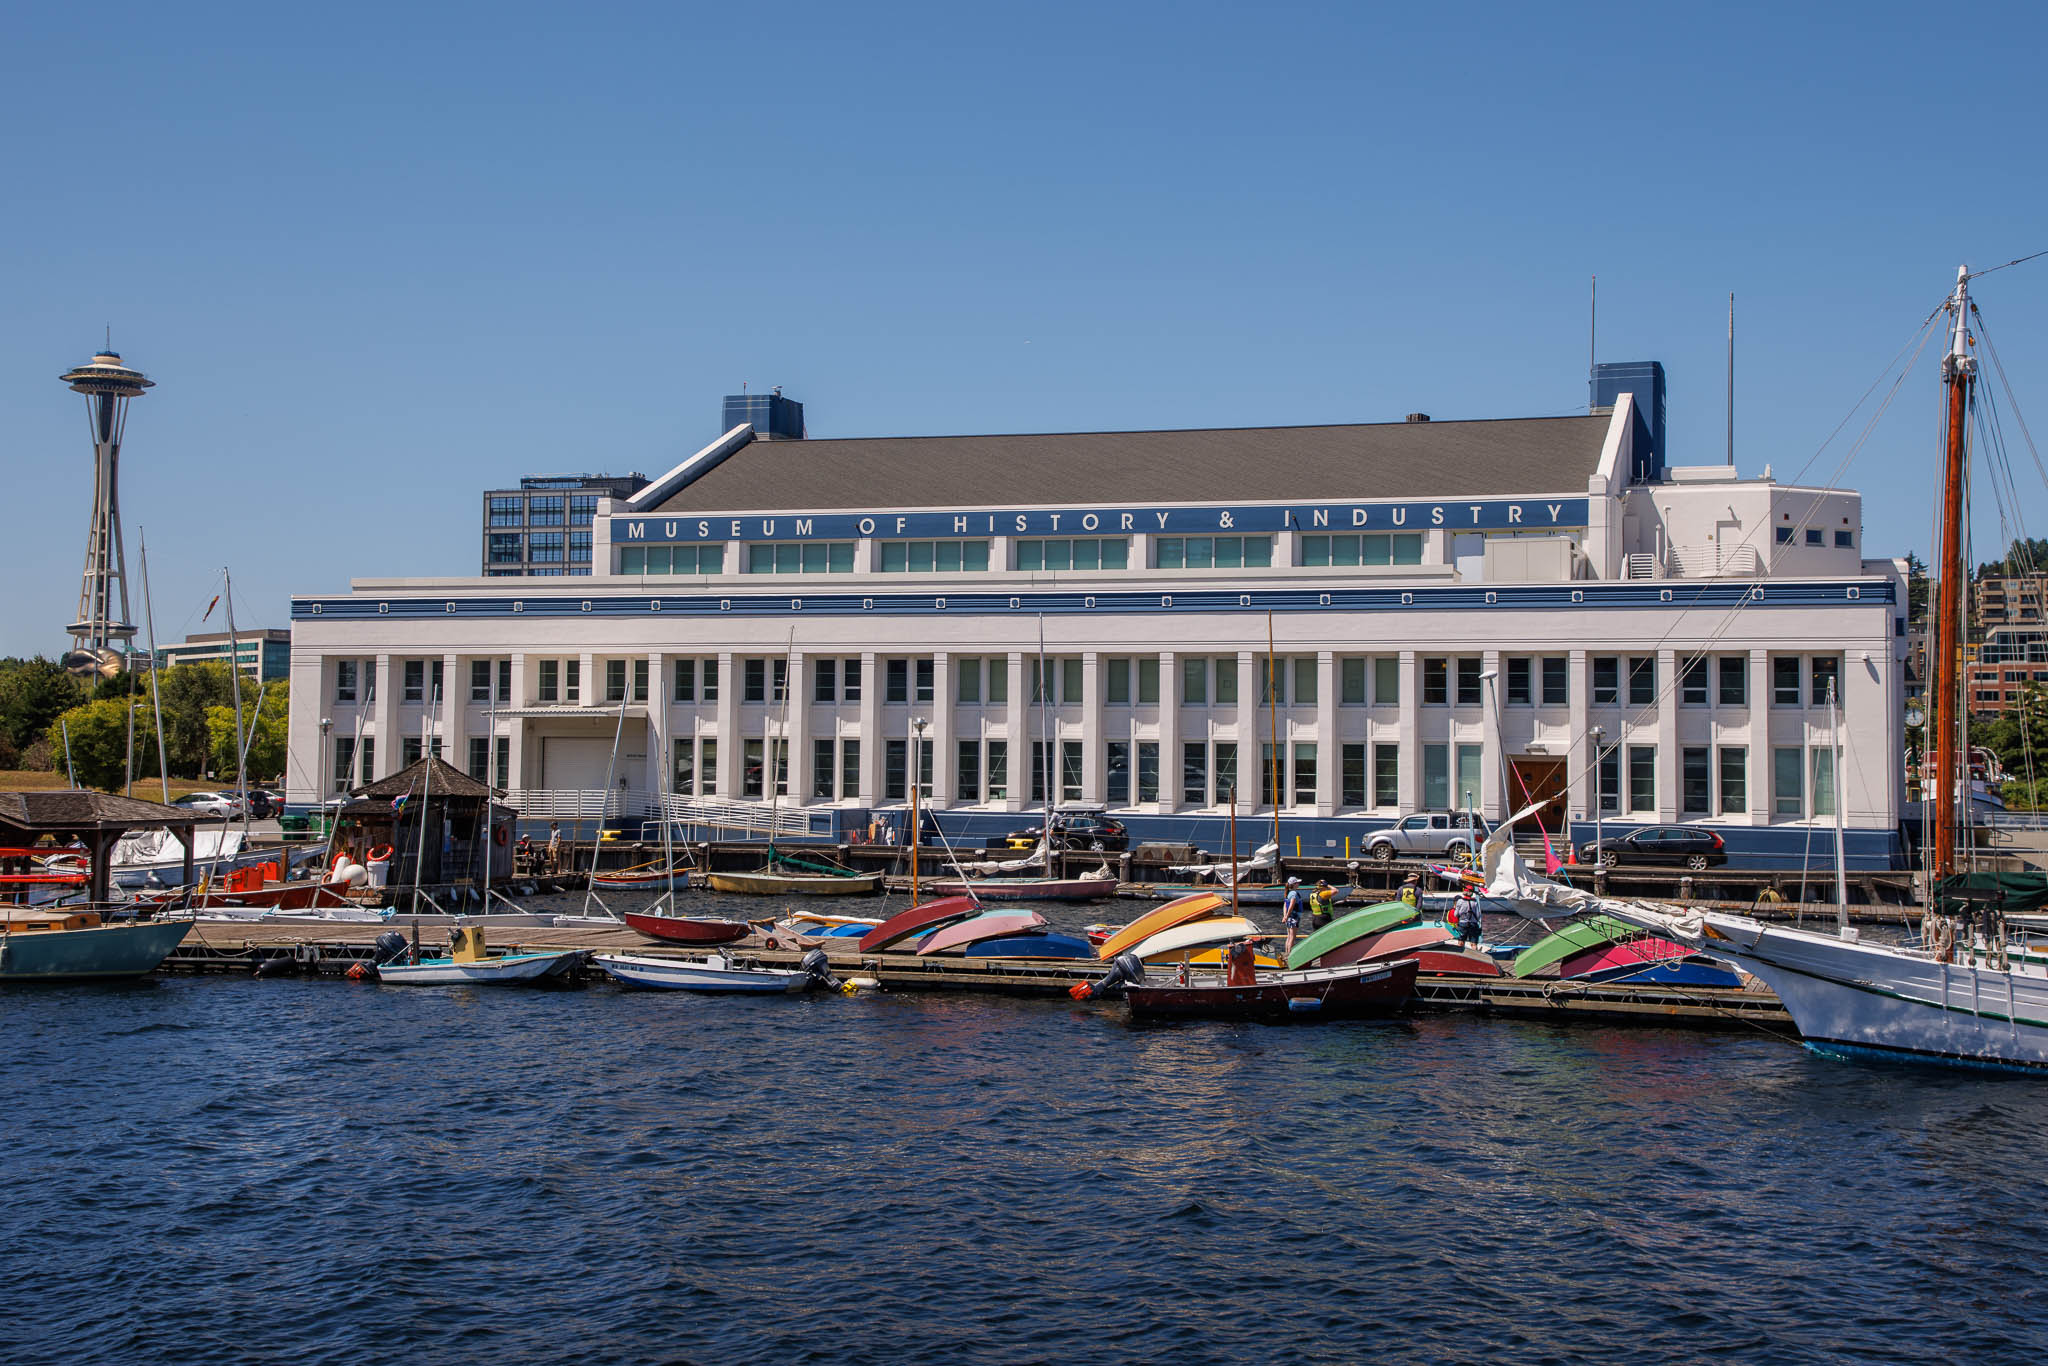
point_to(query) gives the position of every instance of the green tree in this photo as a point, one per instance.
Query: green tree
(34, 693)
(2018, 735)
(1916, 591)
(98, 735)
(187, 692)
(263, 724)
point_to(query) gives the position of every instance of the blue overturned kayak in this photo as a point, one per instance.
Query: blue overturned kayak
(1048, 945)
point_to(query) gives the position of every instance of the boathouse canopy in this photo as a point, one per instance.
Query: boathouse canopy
(96, 819)
(460, 820)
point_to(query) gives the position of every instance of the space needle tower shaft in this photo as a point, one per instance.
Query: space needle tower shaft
(102, 630)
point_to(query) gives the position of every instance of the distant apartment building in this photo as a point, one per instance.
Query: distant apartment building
(2008, 658)
(263, 654)
(542, 528)
(2011, 600)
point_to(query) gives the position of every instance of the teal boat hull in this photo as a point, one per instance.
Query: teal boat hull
(100, 951)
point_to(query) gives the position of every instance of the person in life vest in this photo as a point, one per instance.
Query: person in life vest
(1294, 911)
(1321, 904)
(1411, 891)
(1465, 918)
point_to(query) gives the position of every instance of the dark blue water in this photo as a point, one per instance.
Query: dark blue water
(313, 1172)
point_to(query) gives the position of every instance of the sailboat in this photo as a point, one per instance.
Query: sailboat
(1962, 997)
(787, 874)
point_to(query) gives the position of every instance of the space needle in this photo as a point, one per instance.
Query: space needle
(102, 631)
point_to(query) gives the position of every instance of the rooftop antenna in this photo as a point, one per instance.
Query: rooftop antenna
(1731, 379)
(1592, 337)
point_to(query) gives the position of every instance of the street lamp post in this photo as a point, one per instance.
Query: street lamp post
(1596, 735)
(916, 767)
(326, 729)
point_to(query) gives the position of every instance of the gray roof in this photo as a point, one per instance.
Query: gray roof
(446, 781)
(1247, 464)
(63, 810)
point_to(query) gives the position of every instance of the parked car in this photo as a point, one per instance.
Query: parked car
(1076, 830)
(1686, 845)
(263, 804)
(1448, 834)
(221, 805)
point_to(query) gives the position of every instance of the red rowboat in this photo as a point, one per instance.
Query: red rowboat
(917, 920)
(679, 929)
(1375, 948)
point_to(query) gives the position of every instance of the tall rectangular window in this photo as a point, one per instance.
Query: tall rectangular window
(369, 763)
(1272, 683)
(504, 680)
(708, 692)
(683, 765)
(1827, 674)
(1734, 671)
(548, 686)
(1692, 683)
(998, 678)
(480, 758)
(504, 762)
(1386, 680)
(967, 683)
(344, 762)
(1194, 682)
(1734, 780)
(896, 680)
(1351, 789)
(1070, 680)
(1436, 681)
(686, 680)
(1386, 775)
(1471, 692)
(639, 680)
(925, 676)
(1116, 681)
(345, 680)
(1307, 680)
(1194, 773)
(924, 768)
(822, 771)
(1642, 680)
(572, 680)
(1608, 778)
(1117, 771)
(967, 772)
(1642, 778)
(998, 770)
(1148, 679)
(751, 771)
(1272, 782)
(778, 679)
(1352, 684)
(1070, 770)
(1698, 786)
(754, 680)
(1606, 679)
(1436, 777)
(1470, 794)
(415, 680)
(1226, 770)
(1226, 681)
(849, 769)
(849, 681)
(895, 770)
(709, 782)
(1557, 680)
(1148, 770)
(1039, 749)
(1521, 691)
(1785, 681)
(825, 680)
(479, 684)
(1823, 781)
(615, 680)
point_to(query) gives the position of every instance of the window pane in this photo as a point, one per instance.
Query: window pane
(1351, 788)
(1606, 679)
(1170, 552)
(1642, 778)
(1117, 772)
(1344, 550)
(1059, 555)
(1436, 776)
(1117, 683)
(849, 769)
(998, 770)
(1518, 681)
(895, 557)
(1307, 680)
(969, 671)
(1304, 774)
(1734, 781)
(1734, 680)
(974, 556)
(1436, 681)
(1693, 683)
(1785, 681)
(967, 772)
(1194, 773)
(1258, 552)
(1070, 680)
(1386, 680)
(1698, 781)
(1354, 683)
(1315, 550)
(1469, 794)
(789, 559)
(821, 769)
(895, 770)
(1226, 771)
(1116, 554)
(920, 557)
(1070, 769)
(1194, 682)
(825, 680)
(838, 558)
(1229, 552)
(1148, 679)
(1031, 554)
(1386, 775)
(1226, 680)
(998, 678)
(1087, 555)
(1823, 782)
(1642, 680)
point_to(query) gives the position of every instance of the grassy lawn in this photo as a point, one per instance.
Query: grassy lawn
(33, 780)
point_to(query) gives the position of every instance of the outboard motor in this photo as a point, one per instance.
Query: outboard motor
(1124, 969)
(388, 947)
(818, 968)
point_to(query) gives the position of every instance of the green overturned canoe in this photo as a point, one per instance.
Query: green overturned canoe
(1574, 936)
(1344, 929)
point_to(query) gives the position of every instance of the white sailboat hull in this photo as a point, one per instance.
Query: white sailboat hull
(1849, 997)
(713, 973)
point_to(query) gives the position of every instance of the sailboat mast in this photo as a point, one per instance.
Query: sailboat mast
(1273, 712)
(1841, 861)
(1958, 370)
(156, 700)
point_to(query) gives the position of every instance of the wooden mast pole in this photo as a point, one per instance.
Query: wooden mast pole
(1958, 369)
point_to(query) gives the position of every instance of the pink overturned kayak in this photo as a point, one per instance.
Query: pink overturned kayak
(994, 925)
(1392, 944)
(917, 920)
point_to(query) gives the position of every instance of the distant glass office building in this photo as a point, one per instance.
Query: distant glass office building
(542, 528)
(264, 654)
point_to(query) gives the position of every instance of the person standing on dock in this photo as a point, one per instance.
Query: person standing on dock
(1465, 918)
(1294, 912)
(554, 846)
(1322, 904)
(1411, 891)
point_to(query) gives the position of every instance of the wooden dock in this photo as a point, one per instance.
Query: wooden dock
(271, 950)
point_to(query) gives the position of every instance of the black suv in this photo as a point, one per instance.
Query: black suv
(1076, 830)
(1686, 845)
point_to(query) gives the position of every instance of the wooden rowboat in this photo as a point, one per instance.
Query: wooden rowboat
(640, 879)
(794, 884)
(1030, 888)
(1170, 945)
(1362, 991)
(917, 920)
(995, 925)
(716, 972)
(1162, 918)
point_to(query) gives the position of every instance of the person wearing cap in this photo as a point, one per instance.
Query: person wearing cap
(1322, 902)
(1294, 911)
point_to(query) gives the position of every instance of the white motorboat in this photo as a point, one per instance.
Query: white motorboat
(472, 964)
(712, 972)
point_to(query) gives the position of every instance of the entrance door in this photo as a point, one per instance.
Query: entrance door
(1537, 778)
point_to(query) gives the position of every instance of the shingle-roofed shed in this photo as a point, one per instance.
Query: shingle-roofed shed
(99, 819)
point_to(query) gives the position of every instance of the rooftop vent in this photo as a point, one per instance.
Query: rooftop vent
(1418, 417)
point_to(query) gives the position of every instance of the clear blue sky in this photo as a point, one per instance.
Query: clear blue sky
(381, 257)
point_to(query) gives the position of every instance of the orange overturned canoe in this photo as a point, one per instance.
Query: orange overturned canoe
(1196, 907)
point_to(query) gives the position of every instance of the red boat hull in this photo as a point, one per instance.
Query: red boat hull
(1387, 944)
(676, 929)
(916, 920)
(1360, 992)
(1454, 963)
(287, 896)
